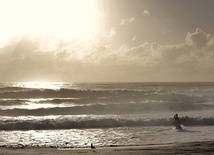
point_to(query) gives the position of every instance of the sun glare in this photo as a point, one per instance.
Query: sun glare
(64, 19)
(39, 85)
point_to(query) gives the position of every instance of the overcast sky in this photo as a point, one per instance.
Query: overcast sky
(106, 40)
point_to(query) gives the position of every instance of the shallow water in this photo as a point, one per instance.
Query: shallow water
(123, 136)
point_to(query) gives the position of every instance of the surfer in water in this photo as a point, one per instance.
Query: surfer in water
(178, 124)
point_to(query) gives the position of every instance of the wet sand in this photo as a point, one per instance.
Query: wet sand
(183, 148)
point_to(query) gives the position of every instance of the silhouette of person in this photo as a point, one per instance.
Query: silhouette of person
(93, 147)
(178, 124)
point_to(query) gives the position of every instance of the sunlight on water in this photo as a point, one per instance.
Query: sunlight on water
(39, 85)
(36, 103)
(104, 137)
(37, 106)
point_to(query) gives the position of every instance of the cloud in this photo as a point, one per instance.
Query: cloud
(198, 39)
(146, 13)
(22, 59)
(127, 20)
(112, 33)
(192, 60)
(100, 60)
(134, 38)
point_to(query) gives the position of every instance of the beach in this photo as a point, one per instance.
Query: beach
(204, 147)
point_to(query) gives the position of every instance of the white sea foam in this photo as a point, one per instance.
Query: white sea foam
(105, 137)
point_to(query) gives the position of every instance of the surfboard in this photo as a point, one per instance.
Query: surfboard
(182, 121)
(178, 127)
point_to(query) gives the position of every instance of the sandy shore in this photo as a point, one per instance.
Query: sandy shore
(184, 148)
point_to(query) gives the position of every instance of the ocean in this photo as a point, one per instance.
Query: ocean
(69, 115)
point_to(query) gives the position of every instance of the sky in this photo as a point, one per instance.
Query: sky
(106, 40)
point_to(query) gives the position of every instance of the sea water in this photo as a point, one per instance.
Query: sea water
(105, 114)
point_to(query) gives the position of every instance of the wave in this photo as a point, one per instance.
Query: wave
(21, 92)
(110, 96)
(94, 122)
(14, 101)
(168, 101)
(104, 109)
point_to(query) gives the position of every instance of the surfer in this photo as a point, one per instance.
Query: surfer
(178, 124)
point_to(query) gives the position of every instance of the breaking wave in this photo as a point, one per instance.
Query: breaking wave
(14, 95)
(105, 109)
(80, 122)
